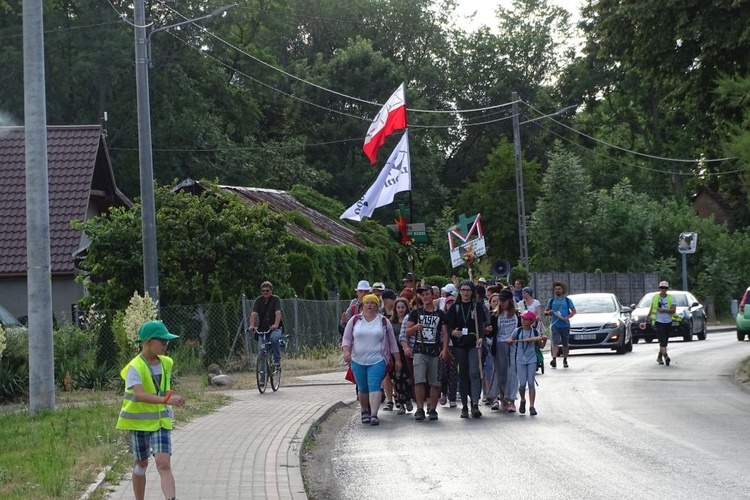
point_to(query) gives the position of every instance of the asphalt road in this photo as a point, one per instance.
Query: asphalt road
(609, 427)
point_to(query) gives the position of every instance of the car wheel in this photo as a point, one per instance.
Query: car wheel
(649, 340)
(629, 345)
(740, 336)
(688, 336)
(704, 331)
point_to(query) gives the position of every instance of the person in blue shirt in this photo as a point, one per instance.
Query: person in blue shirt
(561, 308)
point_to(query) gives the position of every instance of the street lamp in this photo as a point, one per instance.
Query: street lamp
(148, 209)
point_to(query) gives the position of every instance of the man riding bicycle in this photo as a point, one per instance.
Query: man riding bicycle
(267, 314)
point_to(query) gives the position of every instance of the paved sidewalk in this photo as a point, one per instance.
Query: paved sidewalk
(250, 448)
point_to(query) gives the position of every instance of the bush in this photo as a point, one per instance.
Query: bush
(14, 382)
(437, 280)
(434, 265)
(302, 271)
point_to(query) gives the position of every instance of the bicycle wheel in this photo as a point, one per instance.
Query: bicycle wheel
(260, 371)
(275, 372)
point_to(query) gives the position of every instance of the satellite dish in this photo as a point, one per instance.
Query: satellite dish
(501, 268)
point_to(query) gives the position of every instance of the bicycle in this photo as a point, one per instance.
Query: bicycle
(265, 370)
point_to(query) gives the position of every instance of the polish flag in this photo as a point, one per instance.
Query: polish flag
(392, 117)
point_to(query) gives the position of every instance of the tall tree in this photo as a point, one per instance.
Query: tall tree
(560, 225)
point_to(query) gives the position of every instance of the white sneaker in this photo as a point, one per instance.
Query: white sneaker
(443, 400)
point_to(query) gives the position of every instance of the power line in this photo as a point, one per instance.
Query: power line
(645, 155)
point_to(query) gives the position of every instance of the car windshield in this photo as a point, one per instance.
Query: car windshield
(593, 305)
(679, 299)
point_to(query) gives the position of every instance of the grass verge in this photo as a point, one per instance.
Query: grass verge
(58, 454)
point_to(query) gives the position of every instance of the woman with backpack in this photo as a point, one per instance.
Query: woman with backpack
(369, 345)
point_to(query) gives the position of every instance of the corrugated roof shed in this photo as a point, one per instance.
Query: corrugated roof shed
(331, 232)
(281, 201)
(73, 154)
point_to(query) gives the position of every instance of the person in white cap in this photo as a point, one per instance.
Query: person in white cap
(355, 306)
(662, 309)
(447, 291)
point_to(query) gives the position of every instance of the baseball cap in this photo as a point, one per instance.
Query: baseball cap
(449, 288)
(424, 288)
(409, 277)
(378, 286)
(663, 284)
(364, 285)
(155, 330)
(505, 295)
(389, 294)
(530, 315)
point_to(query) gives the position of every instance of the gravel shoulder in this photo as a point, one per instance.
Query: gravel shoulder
(317, 471)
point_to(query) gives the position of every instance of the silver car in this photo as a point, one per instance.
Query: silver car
(600, 322)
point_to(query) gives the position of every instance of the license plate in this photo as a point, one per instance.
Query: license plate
(586, 337)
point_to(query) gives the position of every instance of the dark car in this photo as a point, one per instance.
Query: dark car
(689, 318)
(600, 322)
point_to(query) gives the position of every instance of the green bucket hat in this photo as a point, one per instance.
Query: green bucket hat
(155, 330)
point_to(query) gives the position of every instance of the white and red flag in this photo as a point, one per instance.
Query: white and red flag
(392, 117)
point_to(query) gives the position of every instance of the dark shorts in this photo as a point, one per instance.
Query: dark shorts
(560, 336)
(147, 443)
(662, 333)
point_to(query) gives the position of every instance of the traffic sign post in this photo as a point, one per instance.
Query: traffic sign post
(686, 244)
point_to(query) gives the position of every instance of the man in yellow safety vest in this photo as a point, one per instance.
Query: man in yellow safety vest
(662, 309)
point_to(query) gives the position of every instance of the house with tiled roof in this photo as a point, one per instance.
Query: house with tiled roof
(81, 185)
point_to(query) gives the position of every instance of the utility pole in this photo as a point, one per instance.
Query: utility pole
(145, 160)
(38, 280)
(145, 157)
(523, 242)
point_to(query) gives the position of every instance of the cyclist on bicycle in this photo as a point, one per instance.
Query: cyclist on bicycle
(267, 314)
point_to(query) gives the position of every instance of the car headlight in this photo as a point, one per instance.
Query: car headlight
(612, 325)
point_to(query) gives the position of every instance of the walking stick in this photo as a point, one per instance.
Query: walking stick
(479, 351)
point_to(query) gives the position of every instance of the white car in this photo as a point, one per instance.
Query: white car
(600, 322)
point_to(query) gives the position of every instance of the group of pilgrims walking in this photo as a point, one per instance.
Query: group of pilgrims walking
(428, 347)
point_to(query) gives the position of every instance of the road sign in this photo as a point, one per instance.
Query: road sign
(687, 242)
(417, 232)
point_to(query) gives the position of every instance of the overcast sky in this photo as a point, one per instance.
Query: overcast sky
(486, 9)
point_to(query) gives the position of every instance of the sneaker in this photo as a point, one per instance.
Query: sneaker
(495, 405)
(443, 400)
(409, 407)
(464, 412)
(511, 407)
(419, 415)
(401, 410)
(433, 415)
(453, 404)
(388, 406)
(475, 413)
(532, 411)
(374, 420)
(667, 359)
(659, 359)
(565, 363)
(488, 403)
(553, 363)
(522, 408)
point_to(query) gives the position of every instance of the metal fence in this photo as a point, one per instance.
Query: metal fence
(628, 287)
(310, 324)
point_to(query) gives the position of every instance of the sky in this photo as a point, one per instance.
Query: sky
(486, 9)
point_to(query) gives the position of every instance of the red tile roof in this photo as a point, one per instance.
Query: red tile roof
(77, 163)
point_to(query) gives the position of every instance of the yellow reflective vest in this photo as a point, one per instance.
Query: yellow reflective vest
(139, 416)
(655, 306)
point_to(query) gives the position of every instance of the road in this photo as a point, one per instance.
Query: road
(609, 427)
